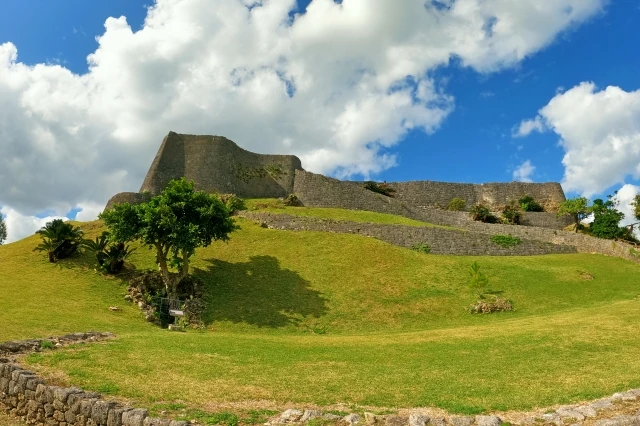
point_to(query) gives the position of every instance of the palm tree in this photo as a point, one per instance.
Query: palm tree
(63, 238)
(49, 246)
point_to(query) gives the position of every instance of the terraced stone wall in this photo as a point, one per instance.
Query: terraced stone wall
(439, 240)
(24, 394)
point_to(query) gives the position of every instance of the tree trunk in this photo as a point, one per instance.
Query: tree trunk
(164, 268)
(185, 265)
(52, 257)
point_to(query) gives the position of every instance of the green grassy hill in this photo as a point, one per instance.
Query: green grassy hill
(320, 319)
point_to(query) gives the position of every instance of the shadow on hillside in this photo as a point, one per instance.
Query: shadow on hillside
(258, 292)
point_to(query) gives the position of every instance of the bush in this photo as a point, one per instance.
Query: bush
(60, 239)
(510, 214)
(481, 213)
(529, 204)
(477, 279)
(421, 247)
(506, 241)
(292, 200)
(380, 188)
(232, 202)
(456, 205)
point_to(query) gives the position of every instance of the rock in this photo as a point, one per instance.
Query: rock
(437, 421)
(114, 309)
(310, 414)
(586, 410)
(601, 404)
(352, 419)
(488, 421)
(396, 421)
(290, 415)
(461, 420)
(418, 420)
(552, 418)
(128, 298)
(620, 421)
(150, 317)
(142, 305)
(370, 418)
(569, 413)
(331, 417)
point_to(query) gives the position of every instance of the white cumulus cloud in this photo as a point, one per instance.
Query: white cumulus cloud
(337, 86)
(20, 226)
(600, 133)
(524, 171)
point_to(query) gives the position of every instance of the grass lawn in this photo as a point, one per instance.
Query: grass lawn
(273, 205)
(308, 318)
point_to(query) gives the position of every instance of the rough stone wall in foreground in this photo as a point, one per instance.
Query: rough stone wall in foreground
(24, 394)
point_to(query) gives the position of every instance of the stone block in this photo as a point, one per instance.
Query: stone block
(310, 414)
(152, 421)
(100, 411)
(396, 421)
(134, 417)
(418, 420)
(461, 420)
(488, 421)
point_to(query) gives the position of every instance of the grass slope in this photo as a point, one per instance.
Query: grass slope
(393, 327)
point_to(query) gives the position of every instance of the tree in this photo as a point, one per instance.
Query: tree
(606, 219)
(636, 206)
(3, 230)
(174, 223)
(109, 255)
(60, 239)
(578, 208)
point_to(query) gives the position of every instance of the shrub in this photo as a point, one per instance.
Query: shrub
(506, 241)
(109, 255)
(232, 202)
(477, 279)
(510, 214)
(46, 344)
(292, 200)
(481, 213)
(60, 239)
(380, 188)
(529, 204)
(456, 205)
(421, 247)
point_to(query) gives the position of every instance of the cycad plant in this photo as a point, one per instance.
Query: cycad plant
(60, 239)
(109, 255)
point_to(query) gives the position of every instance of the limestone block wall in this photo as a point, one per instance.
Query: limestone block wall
(217, 164)
(24, 394)
(127, 197)
(440, 240)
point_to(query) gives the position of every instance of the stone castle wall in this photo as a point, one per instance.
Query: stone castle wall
(317, 190)
(440, 240)
(216, 164)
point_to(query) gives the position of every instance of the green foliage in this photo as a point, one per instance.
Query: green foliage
(46, 344)
(477, 279)
(110, 255)
(60, 239)
(175, 223)
(292, 200)
(481, 213)
(380, 188)
(221, 418)
(529, 204)
(3, 229)
(606, 219)
(578, 208)
(506, 241)
(233, 203)
(456, 205)
(510, 214)
(636, 207)
(421, 247)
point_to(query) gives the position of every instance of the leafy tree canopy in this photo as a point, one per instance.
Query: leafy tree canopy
(174, 223)
(3, 229)
(636, 207)
(606, 221)
(578, 208)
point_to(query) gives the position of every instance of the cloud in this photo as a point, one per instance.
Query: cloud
(528, 126)
(600, 133)
(338, 86)
(20, 226)
(625, 196)
(524, 171)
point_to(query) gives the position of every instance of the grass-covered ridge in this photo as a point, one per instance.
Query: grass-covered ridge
(339, 319)
(273, 205)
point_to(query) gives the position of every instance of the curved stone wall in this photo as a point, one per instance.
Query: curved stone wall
(127, 197)
(217, 164)
(316, 190)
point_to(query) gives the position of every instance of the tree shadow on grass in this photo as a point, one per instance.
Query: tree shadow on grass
(258, 292)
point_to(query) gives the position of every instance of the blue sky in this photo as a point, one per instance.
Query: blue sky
(475, 140)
